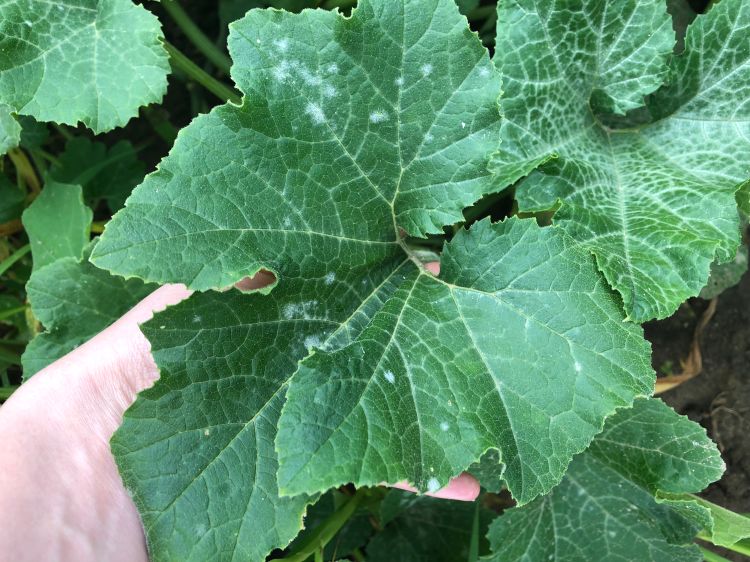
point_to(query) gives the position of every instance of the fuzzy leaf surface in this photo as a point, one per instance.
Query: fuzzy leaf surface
(351, 131)
(58, 224)
(608, 495)
(93, 61)
(655, 204)
(452, 367)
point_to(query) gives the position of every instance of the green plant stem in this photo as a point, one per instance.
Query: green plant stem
(196, 36)
(327, 530)
(11, 312)
(196, 73)
(14, 257)
(741, 547)
(47, 156)
(161, 125)
(6, 391)
(709, 556)
(25, 169)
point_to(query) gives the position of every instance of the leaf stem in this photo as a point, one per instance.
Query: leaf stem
(710, 556)
(47, 156)
(25, 168)
(193, 71)
(196, 36)
(7, 313)
(741, 547)
(14, 257)
(161, 125)
(327, 530)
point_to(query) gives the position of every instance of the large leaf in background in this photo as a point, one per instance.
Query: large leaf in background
(58, 224)
(94, 61)
(74, 301)
(10, 130)
(350, 130)
(425, 529)
(450, 368)
(104, 173)
(605, 509)
(11, 200)
(656, 205)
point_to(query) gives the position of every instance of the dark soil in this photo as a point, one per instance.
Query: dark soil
(719, 397)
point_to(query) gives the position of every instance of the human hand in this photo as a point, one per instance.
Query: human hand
(62, 497)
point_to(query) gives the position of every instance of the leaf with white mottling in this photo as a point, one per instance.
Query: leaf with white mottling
(656, 205)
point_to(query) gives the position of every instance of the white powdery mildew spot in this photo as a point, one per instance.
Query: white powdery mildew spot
(433, 485)
(463, 125)
(287, 222)
(312, 341)
(309, 78)
(298, 310)
(425, 69)
(578, 367)
(329, 278)
(207, 432)
(332, 68)
(315, 112)
(484, 72)
(329, 91)
(378, 116)
(27, 23)
(196, 319)
(445, 426)
(281, 44)
(390, 377)
(428, 137)
(399, 81)
(281, 72)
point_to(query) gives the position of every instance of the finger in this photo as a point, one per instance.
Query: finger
(433, 267)
(463, 487)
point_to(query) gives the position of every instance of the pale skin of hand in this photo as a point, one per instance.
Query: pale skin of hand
(61, 497)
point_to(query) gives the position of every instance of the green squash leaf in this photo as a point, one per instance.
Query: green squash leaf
(656, 204)
(93, 61)
(58, 224)
(450, 367)
(330, 151)
(725, 275)
(10, 130)
(605, 509)
(74, 301)
(719, 526)
(104, 173)
(352, 131)
(11, 200)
